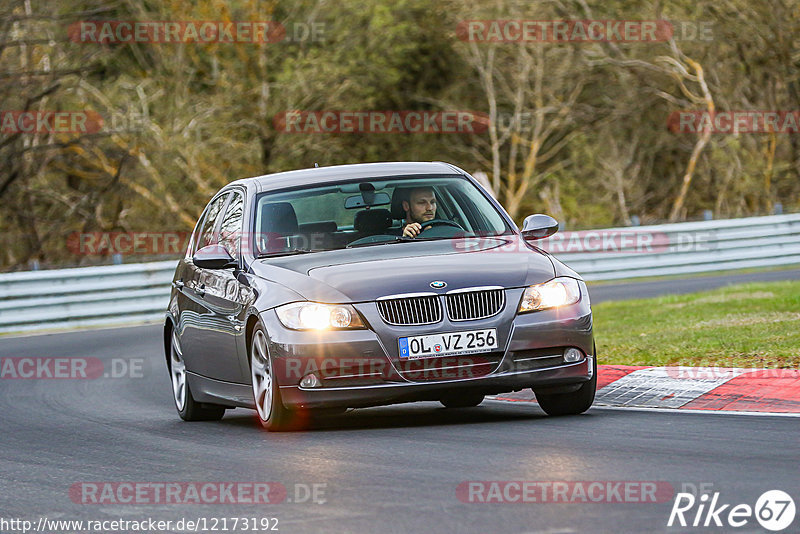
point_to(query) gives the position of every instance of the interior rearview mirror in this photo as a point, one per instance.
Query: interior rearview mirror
(367, 199)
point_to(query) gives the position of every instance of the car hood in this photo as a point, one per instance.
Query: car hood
(364, 274)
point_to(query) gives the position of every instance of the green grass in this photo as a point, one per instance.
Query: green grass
(745, 325)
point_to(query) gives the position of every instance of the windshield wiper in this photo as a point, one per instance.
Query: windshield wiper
(434, 238)
(401, 239)
(371, 243)
(288, 252)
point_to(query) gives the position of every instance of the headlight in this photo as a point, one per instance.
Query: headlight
(556, 292)
(315, 316)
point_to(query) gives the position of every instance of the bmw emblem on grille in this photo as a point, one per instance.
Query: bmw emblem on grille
(438, 284)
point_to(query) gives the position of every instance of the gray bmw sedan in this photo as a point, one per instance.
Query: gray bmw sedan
(349, 286)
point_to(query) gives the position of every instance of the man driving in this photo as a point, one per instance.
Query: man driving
(420, 207)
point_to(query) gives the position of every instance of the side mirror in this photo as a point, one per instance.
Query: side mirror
(538, 226)
(213, 257)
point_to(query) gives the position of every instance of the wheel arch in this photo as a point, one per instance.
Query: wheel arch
(250, 325)
(169, 325)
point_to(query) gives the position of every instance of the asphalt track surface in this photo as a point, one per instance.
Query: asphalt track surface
(388, 469)
(655, 288)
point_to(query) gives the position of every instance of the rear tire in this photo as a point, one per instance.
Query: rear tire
(573, 403)
(272, 414)
(188, 408)
(462, 400)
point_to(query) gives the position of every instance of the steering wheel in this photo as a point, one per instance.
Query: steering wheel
(440, 222)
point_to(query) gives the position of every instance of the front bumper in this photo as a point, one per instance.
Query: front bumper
(375, 395)
(360, 368)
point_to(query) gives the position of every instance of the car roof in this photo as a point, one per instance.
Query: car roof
(321, 175)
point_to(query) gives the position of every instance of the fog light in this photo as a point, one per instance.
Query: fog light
(572, 355)
(310, 381)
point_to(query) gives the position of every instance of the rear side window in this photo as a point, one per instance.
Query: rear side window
(205, 235)
(230, 231)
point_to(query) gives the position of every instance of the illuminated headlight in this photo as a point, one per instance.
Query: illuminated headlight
(315, 316)
(556, 292)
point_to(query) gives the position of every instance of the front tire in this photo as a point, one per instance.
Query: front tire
(572, 403)
(188, 408)
(272, 414)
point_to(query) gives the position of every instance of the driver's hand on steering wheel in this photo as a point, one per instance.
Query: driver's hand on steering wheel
(412, 229)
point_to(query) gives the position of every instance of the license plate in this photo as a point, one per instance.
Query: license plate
(448, 344)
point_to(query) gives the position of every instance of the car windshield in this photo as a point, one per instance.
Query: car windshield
(372, 212)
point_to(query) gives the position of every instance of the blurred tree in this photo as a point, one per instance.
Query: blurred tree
(578, 130)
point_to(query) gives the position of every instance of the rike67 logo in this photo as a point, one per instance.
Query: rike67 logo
(774, 510)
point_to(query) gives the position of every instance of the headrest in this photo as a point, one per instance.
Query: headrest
(278, 218)
(372, 221)
(400, 194)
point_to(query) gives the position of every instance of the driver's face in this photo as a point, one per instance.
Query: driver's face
(421, 206)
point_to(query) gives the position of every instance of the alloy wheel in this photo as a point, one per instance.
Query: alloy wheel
(262, 378)
(178, 372)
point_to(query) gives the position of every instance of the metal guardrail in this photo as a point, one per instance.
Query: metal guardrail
(108, 295)
(86, 296)
(687, 248)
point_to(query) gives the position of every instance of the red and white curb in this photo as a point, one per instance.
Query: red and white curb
(693, 388)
